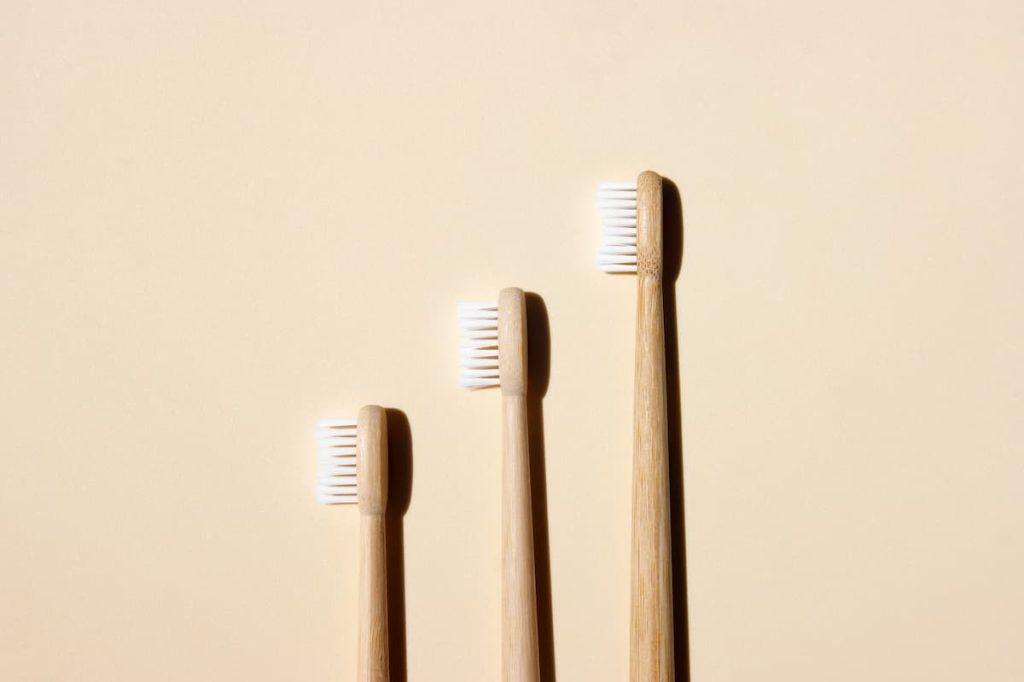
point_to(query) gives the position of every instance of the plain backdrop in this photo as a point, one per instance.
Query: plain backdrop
(220, 221)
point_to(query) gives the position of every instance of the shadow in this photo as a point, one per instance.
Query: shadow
(539, 367)
(673, 260)
(399, 496)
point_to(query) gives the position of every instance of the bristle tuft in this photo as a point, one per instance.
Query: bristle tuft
(478, 351)
(616, 202)
(336, 461)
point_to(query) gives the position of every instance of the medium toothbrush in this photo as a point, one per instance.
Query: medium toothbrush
(631, 217)
(353, 469)
(493, 353)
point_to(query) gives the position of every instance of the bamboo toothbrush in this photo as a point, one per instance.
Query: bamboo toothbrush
(493, 353)
(353, 468)
(631, 217)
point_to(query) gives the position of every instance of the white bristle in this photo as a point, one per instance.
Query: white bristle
(478, 344)
(336, 461)
(616, 202)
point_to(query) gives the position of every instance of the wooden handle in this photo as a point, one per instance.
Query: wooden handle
(519, 652)
(651, 638)
(520, 659)
(372, 484)
(373, 602)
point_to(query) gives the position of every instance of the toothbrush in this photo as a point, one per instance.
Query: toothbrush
(493, 353)
(353, 469)
(631, 217)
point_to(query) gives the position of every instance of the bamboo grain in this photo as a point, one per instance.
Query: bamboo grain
(372, 467)
(651, 636)
(520, 653)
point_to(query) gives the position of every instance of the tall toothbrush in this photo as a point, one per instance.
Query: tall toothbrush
(631, 217)
(493, 353)
(353, 468)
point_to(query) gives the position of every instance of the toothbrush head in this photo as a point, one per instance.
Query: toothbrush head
(353, 460)
(631, 225)
(493, 343)
(616, 202)
(336, 461)
(478, 345)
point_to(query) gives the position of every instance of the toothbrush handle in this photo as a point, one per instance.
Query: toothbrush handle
(520, 659)
(373, 602)
(651, 637)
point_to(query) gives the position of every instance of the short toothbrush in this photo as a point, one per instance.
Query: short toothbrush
(353, 469)
(493, 353)
(631, 217)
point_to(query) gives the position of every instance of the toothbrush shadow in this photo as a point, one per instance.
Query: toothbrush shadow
(673, 254)
(538, 333)
(399, 496)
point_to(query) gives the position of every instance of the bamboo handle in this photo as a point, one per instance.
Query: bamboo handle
(373, 602)
(372, 483)
(520, 660)
(651, 638)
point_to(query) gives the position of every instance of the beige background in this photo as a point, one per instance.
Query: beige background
(221, 220)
